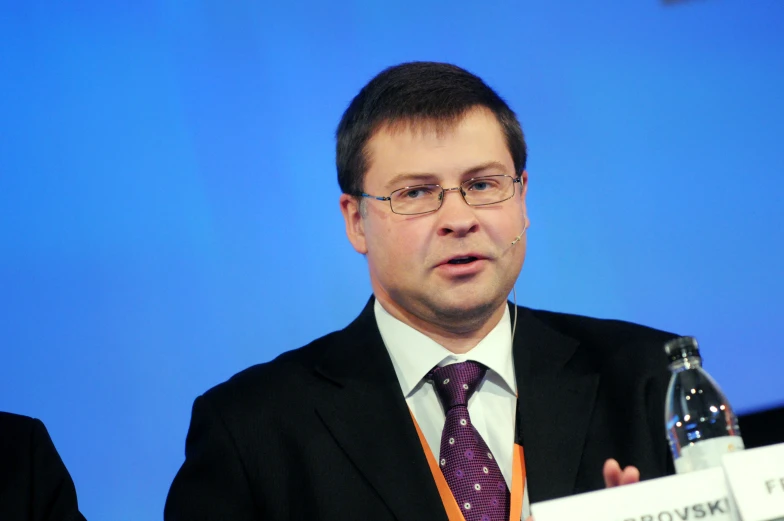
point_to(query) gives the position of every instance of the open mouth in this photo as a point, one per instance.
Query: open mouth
(462, 260)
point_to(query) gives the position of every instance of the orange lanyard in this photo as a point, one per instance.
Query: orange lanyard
(450, 505)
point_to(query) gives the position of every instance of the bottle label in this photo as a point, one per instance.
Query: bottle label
(706, 453)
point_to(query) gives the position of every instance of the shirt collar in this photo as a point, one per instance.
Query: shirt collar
(414, 354)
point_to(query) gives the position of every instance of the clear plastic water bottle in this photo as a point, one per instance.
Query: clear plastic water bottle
(701, 425)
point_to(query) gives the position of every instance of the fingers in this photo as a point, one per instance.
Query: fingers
(630, 475)
(612, 473)
(615, 476)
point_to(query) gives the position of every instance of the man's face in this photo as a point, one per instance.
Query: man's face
(408, 255)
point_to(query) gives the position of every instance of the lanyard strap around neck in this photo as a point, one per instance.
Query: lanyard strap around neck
(453, 511)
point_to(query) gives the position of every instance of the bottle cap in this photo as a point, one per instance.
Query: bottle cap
(682, 347)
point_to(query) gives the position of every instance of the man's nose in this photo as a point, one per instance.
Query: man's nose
(456, 216)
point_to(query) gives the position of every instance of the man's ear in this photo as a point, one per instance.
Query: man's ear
(523, 193)
(355, 226)
(524, 184)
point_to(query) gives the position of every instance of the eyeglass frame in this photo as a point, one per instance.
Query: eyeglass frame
(459, 188)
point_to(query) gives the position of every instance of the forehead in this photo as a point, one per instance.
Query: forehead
(438, 150)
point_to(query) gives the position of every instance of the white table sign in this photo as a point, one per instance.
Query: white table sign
(756, 479)
(697, 496)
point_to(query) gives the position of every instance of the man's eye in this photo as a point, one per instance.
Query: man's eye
(415, 193)
(483, 185)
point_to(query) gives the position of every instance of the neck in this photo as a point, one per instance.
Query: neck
(459, 337)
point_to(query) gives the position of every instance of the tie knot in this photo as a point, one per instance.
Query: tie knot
(455, 383)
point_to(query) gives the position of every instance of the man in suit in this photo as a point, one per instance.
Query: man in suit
(417, 409)
(34, 483)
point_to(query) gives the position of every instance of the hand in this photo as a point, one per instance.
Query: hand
(614, 476)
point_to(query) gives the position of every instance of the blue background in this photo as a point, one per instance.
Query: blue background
(168, 198)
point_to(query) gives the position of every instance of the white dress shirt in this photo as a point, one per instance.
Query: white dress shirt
(493, 405)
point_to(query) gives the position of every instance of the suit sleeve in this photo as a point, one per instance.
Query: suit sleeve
(212, 483)
(656, 394)
(53, 491)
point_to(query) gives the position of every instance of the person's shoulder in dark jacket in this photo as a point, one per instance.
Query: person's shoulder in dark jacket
(34, 483)
(271, 389)
(607, 343)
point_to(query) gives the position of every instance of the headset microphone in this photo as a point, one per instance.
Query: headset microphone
(514, 293)
(517, 239)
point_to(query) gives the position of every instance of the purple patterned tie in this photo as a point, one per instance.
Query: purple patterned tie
(467, 464)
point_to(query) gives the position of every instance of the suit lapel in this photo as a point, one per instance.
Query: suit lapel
(366, 413)
(553, 409)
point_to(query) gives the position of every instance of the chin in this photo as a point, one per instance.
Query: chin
(467, 310)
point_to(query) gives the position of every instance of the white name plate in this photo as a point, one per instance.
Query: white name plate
(697, 496)
(756, 478)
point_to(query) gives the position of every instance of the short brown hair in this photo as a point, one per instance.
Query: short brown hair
(411, 92)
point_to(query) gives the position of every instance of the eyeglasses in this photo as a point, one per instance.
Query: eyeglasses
(478, 191)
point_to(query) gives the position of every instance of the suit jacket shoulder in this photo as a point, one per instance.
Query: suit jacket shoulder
(607, 345)
(608, 334)
(271, 388)
(34, 483)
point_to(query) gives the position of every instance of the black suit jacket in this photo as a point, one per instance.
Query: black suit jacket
(324, 432)
(34, 483)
